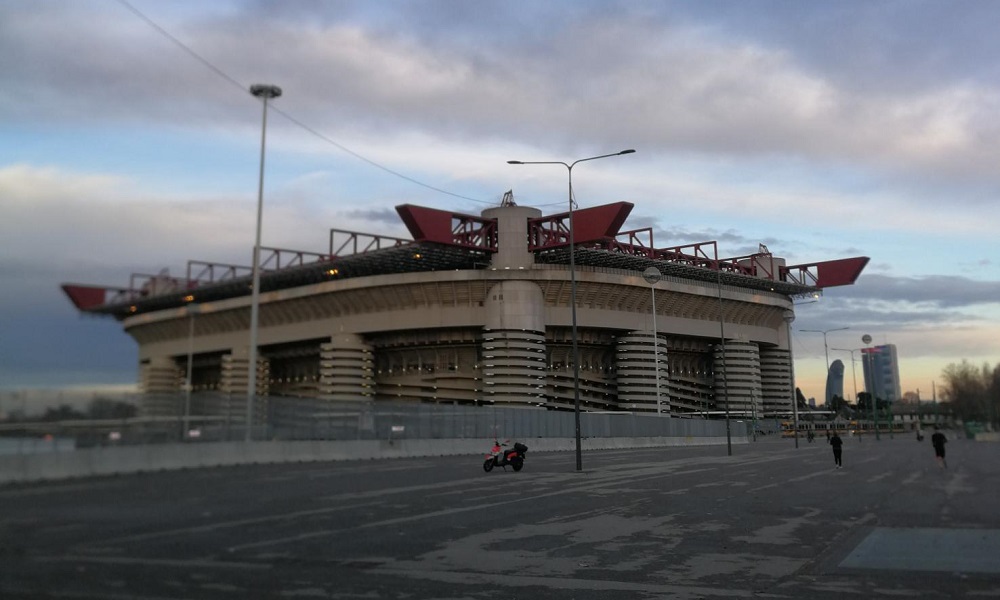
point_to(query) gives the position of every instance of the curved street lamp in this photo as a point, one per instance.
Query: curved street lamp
(789, 317)
(826, 352)
(572, 284)
(652, 276)
(870, 373)
(854, 370)
(265, 92)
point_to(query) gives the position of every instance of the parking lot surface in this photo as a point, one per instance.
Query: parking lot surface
(770, 521)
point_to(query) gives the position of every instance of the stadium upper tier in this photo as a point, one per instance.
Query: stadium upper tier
(443, 240)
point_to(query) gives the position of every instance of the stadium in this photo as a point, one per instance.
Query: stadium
(473, 310)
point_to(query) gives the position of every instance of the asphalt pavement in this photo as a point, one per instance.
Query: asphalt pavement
(770, 521)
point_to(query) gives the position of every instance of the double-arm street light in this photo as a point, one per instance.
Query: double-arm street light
(572, 284)
(854, 371)
(826, 350)
(870, 387)
(265, 92)
(789, 317)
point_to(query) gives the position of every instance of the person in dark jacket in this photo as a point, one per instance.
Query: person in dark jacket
(938, 441)
(837, 445)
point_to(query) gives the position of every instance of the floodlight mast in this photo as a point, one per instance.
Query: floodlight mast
(572, 285)
(265, 92)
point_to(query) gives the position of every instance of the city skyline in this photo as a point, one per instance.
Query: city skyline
(130, 144)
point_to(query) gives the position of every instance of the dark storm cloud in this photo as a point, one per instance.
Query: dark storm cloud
(906, 45)
(497, 73)
(933, 291)
(385, 216)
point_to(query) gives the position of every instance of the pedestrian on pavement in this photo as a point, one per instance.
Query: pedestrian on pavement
(938, 440)
(837, 444)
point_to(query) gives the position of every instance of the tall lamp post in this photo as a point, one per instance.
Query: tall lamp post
(192, 310)
(722, 342)
(789, 317)
(870, 376)
(854, 370)
(572, 284)
(265, 92)
(652, 276)
(826, 350)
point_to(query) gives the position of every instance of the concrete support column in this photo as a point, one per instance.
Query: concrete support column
(161, 382)
(636, 360)
(740, 382)
(775, 381)
(233, 385)
(513, 346)
(512, 236)
(346, 369)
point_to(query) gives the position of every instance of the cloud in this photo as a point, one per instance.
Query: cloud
(931, 291)
(675, 87)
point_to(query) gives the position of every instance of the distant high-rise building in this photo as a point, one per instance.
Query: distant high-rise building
(882, 372)
(835, 381)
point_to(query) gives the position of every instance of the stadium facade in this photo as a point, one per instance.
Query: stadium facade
(474, 309)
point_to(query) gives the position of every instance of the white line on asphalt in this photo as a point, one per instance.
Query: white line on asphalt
(606, 477)
(226, 524)
(154, 562)
(878, 477)
(571, 583)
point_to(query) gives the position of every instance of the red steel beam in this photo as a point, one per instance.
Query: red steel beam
(88, 297)
(829, 273)
(596, 224)
(446, 227)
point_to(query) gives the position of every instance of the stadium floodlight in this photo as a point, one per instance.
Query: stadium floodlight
(789, 317)
(572, 284)
(826, 353)
(653, 276)
(265, 92)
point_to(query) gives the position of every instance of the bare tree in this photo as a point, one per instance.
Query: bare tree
(973, 392)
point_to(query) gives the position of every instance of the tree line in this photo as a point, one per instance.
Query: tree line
(973, 392)
(98, 408)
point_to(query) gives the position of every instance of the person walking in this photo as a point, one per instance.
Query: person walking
(938, 440)
(837, 445)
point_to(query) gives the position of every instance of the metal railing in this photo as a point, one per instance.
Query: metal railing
(297, 419)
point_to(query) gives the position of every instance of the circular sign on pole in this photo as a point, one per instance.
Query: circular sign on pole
(652, 275)
(866, 338)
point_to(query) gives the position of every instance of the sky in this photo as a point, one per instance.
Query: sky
(129, 143)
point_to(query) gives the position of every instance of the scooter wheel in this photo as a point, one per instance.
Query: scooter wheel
(517, 462)
(488, 465)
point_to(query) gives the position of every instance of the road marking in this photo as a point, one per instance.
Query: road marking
(154, 562)
(570, 583)
(225, 524)
(605, 477)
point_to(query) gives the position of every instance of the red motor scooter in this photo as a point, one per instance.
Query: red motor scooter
(500, 457)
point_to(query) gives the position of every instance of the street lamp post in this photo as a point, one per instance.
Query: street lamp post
(789, 317)
(265, 92)
(572, 285)
(192, 310)
(722, 356)
(870, 376)
(854, 370)
(652, 276)
(826, 350)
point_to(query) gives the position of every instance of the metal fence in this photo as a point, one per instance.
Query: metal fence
(359, 421)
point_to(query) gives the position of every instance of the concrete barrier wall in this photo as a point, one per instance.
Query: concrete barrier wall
(122, 460)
